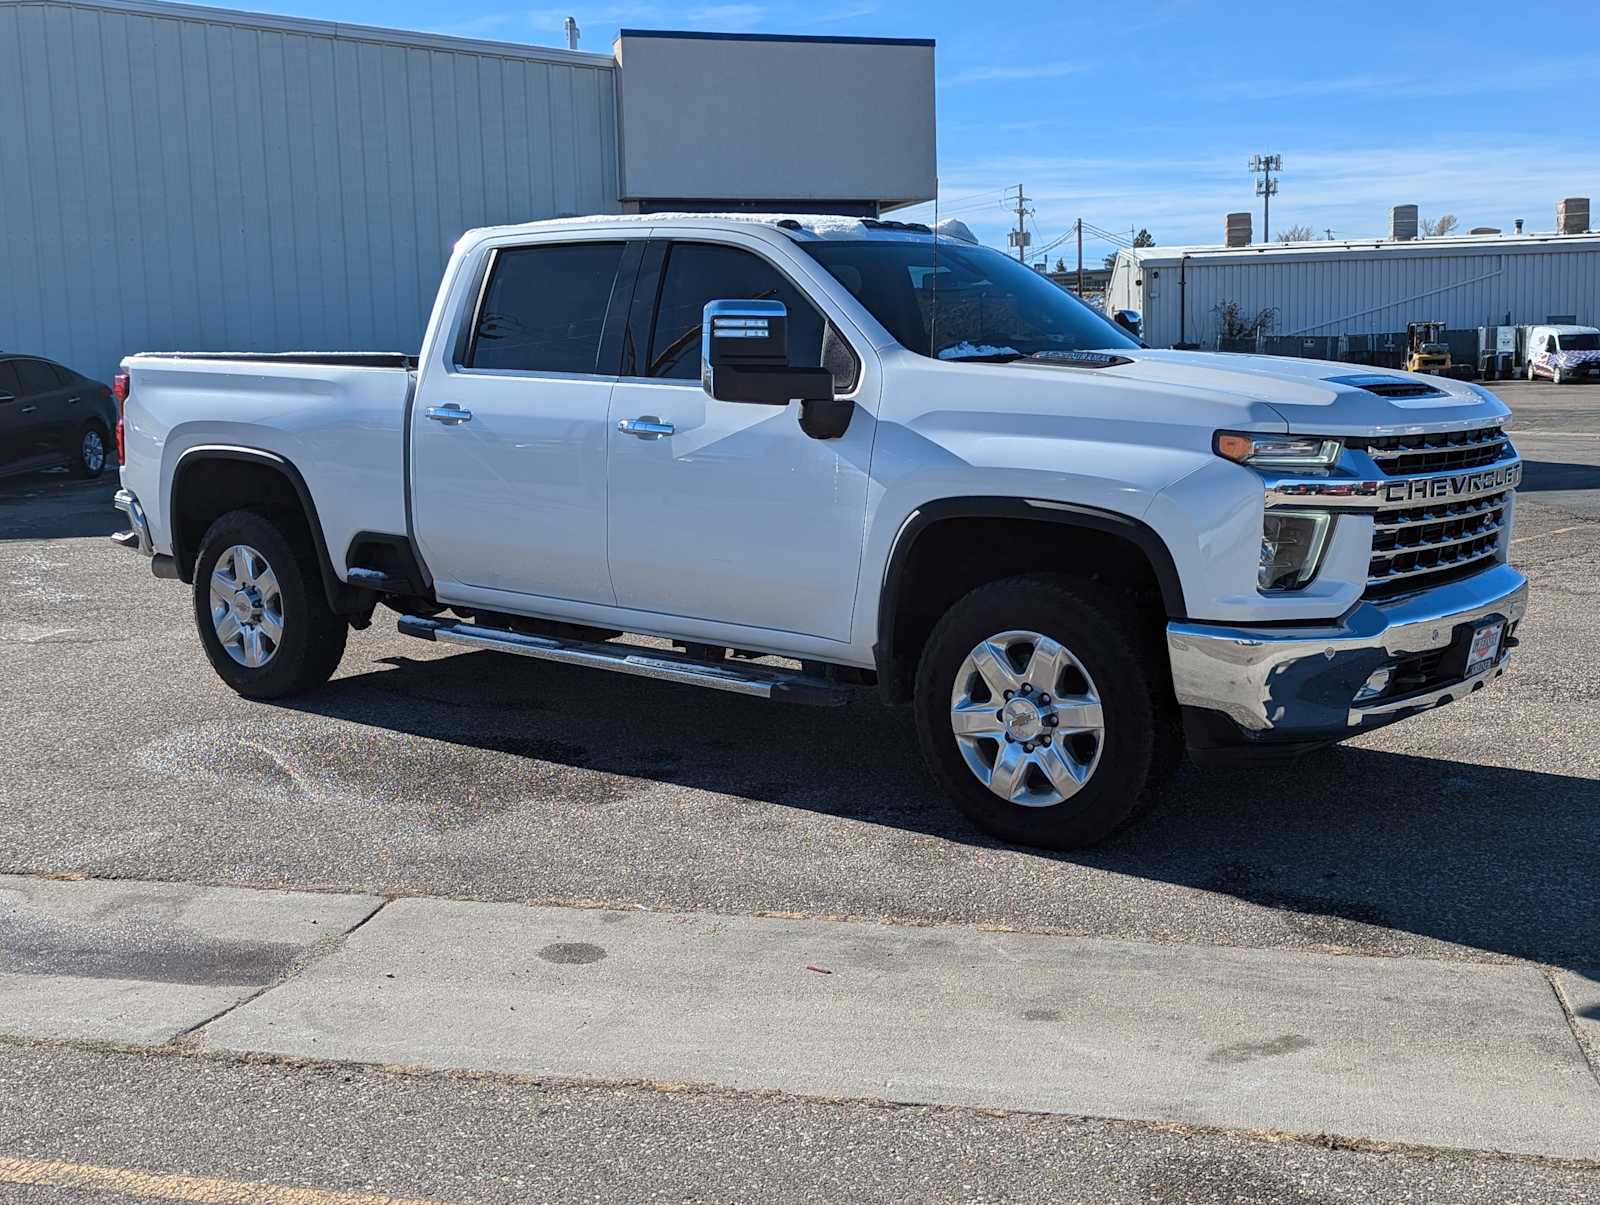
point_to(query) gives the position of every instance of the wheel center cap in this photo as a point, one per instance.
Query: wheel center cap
(244, 607)
(1022, 719)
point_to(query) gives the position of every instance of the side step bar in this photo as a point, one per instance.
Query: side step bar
(760, 681)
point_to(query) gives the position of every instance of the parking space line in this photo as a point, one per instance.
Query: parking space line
(1545, 535)
(54, 1173)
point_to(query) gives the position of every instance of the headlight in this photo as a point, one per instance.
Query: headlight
(1291, 547)
(1277, 451)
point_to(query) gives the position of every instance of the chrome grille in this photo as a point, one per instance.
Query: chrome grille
(1419, 547)
(1440, 452)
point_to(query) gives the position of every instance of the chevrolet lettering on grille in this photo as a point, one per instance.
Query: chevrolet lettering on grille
(1460, 485)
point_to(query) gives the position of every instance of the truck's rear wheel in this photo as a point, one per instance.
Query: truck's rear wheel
(1038, 712)
(260, 609)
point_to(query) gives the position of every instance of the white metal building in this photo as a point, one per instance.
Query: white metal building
(196, 178)
(1360, 287)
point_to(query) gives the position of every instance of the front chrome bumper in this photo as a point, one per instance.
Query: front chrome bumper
(1311, 684)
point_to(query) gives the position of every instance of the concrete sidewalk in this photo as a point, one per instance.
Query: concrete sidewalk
(1445, 1054)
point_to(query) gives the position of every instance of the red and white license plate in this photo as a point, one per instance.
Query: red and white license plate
(1485, 644)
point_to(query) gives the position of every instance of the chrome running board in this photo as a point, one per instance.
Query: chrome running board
(759, 681)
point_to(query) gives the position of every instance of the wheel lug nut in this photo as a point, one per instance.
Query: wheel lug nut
(1045, 699)
(1052, 720)
(1027, 688)
(1009, 693)
(1028, 748)
(1010, 740)
(1045, 739)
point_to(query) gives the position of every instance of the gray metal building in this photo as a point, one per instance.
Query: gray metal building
(196, 178)
(1328, 289)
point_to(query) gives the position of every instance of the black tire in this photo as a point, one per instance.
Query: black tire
(313, 636)
(1140, 745)
(83, 463)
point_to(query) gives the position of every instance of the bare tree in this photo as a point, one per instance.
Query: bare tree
(1297, 234)
(1440, 226)
(1234, 323)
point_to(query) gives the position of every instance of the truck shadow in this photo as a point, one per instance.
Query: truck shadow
(1540, 476)
(1346, 843)
(58, 506)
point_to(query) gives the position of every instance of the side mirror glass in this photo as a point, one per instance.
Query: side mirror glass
(1131, 321)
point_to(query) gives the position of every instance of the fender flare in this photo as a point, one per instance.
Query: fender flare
(341, 597)
(1067, 514)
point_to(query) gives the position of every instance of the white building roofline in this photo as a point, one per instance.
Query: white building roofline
(1449, 245)
(338, 30)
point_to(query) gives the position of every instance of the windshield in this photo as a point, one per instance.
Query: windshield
(960, 302)
(1589, 342)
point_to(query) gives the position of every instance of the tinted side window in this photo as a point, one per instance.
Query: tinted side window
(8, 377)
(545, 308)
(36, 376)
(701, 272)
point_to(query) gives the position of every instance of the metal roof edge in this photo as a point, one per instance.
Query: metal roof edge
(338, 30)
(840, 39)
(1481, 242)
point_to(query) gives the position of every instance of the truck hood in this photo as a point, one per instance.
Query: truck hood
(1319, 397)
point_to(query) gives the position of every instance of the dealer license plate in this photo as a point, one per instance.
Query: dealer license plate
(1485, 644)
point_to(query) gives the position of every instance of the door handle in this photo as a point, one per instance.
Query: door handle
(73, 401)
(450, 414)
(29, 409)
(646, 427)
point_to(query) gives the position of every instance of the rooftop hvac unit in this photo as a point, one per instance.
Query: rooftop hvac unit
(1403, 222)
(1572, 216)
(1238, 230)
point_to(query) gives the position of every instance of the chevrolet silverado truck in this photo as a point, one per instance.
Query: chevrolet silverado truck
(816, 456)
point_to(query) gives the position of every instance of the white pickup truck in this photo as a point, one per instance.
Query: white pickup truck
(812, 455)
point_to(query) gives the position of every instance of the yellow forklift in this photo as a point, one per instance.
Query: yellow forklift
(1428, 352)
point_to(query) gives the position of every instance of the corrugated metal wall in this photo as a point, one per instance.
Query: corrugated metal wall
(172, 179)
(1370, 292)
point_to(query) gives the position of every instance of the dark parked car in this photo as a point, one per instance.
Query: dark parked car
(52, 416)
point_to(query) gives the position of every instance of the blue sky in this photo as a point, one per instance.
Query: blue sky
(1146, 115)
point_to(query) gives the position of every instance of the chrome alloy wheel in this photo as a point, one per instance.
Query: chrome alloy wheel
(93, 451)
(1027, 719)
(246, 606)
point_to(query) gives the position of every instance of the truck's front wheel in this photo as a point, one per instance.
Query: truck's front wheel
(259, 605)
(1038, 712)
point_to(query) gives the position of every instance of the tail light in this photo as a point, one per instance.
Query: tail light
(119, 390)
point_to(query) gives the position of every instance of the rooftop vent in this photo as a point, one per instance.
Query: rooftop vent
(1485, 230)
(1403, 222)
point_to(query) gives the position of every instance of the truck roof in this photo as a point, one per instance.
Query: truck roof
(803, 227)
(1568, 329)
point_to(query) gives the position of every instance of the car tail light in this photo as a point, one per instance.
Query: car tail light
(119, 390)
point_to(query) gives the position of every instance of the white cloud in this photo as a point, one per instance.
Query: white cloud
(1009, 71)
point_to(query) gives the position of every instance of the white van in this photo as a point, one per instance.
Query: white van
(1563, 353)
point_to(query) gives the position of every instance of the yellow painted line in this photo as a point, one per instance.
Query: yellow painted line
(1545, 535)
(53, 1173)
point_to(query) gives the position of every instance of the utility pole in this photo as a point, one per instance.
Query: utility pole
(1266, 188)
(1329, 232)
(1080, 257)
(1020, 237)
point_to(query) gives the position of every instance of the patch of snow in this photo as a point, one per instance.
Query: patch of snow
(962, 350)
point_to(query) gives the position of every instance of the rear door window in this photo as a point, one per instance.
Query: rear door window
(8, 378)
(545, 308)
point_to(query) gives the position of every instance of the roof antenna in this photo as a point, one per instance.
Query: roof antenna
(933, 308)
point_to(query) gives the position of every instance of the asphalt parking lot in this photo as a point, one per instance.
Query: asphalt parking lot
(1468, 834)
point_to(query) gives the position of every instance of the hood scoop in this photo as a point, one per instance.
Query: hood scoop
(1389, 386)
